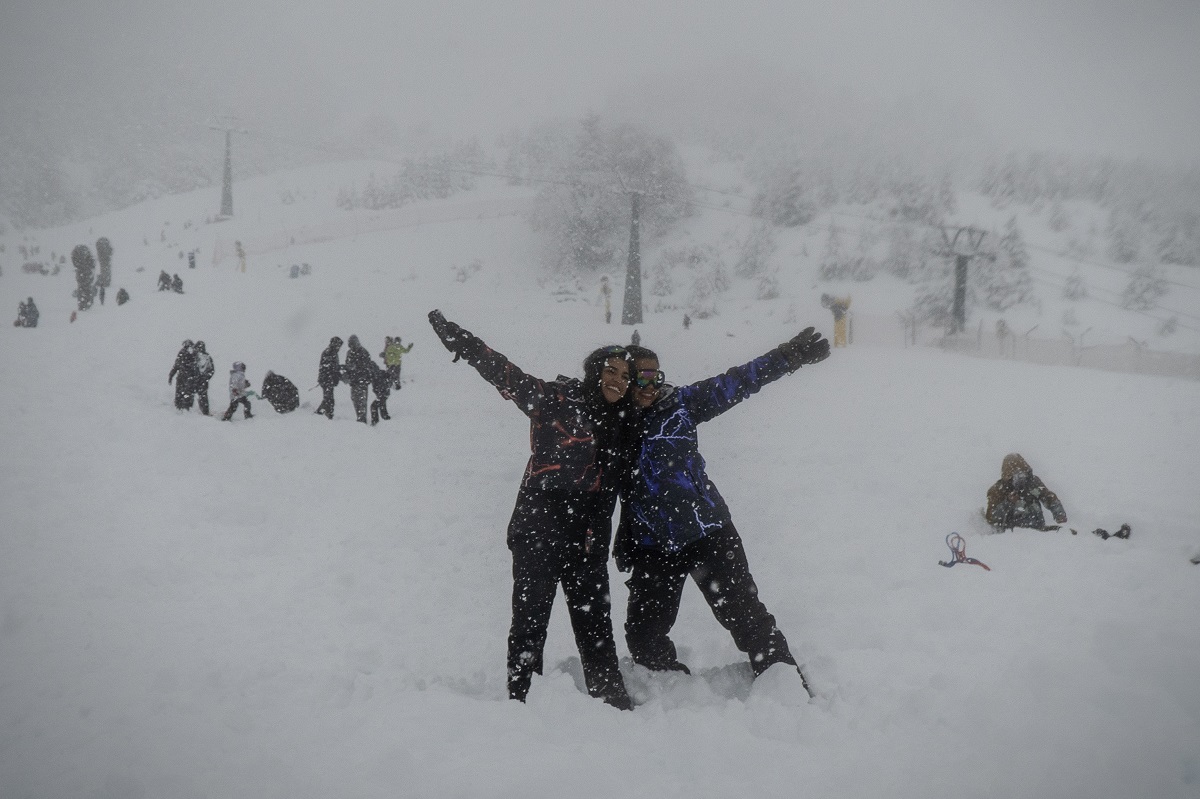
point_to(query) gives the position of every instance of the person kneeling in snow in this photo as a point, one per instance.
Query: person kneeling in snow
(280, 392)
(674, 523)
(1016, 499)
(239, 389)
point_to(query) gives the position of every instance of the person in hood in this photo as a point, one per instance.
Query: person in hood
(280, 392)
(560, 529)
(204, 373)
(239, 392)
(393, 357)
(359, 372)
(329, 374)
(185, 369)
(675, 524)
(1019, 498)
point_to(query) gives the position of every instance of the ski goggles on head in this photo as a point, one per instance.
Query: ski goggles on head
(649, 377)
(615, 350)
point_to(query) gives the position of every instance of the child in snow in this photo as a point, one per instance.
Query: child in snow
(239, 388)
(1016, 499)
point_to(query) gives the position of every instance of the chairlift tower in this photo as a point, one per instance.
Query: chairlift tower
(227, 181)
(631, 309)
(963, 249)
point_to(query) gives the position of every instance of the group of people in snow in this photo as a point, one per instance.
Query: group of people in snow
(623, 431)
(361, 373)
(27, 314)
(170, 282)
(194, 368)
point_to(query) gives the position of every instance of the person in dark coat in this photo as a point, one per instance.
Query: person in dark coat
(27, 314)
(329, 374)
(185, 368)
(381, 384)
(164, 281)
(358, 371)
(204, 373)
(674, 523)
(177, 284)
(280, 392)
(1016, 499)
(560, 529)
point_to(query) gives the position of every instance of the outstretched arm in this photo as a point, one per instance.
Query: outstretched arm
(712, 397)
(526, 391)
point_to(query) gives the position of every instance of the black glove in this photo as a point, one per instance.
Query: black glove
(454, 338)
(807, 347)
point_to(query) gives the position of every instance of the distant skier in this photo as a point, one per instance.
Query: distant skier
(329, 374)
(164, 281)
(239, 389)
(280, 392)
(185, 369)
(177, 284)
(1016, 499)
(358, 371)
(204, 373)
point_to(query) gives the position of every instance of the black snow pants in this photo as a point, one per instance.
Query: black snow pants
(185, 392)
(358, 396)
(202, 396)
(541, 562)
(717, 564)
(326, 406)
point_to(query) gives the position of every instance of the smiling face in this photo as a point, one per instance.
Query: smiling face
(614, 379)
(644, 396)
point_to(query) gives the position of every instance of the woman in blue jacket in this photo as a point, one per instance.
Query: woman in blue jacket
(674, 523)
(561, 527)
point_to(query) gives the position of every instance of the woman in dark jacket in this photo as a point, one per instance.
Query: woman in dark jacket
(560, 528)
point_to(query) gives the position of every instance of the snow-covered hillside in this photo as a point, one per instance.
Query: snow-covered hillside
(292, 607)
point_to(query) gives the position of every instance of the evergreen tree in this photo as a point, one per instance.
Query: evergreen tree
(1145, 288)
(1004, 280)
(1074, 288)
(104, 253)
(85, 275)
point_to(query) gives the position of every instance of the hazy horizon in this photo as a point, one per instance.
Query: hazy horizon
(1112, 78)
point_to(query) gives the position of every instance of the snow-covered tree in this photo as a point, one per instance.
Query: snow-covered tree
(104, 254)
(85, 275)
(584, 217)
(1004, 280)
(1073, 287)
(1145, 288)
(1124, 236)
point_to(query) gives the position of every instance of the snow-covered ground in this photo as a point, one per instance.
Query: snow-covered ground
(292, 607)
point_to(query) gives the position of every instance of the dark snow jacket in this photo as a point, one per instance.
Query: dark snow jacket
(359, 368)
(329, 373)
(280, 392)
(1016, 499)
(667, 500)
(575, 452)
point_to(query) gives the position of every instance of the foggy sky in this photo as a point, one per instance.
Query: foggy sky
(1106, 76)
